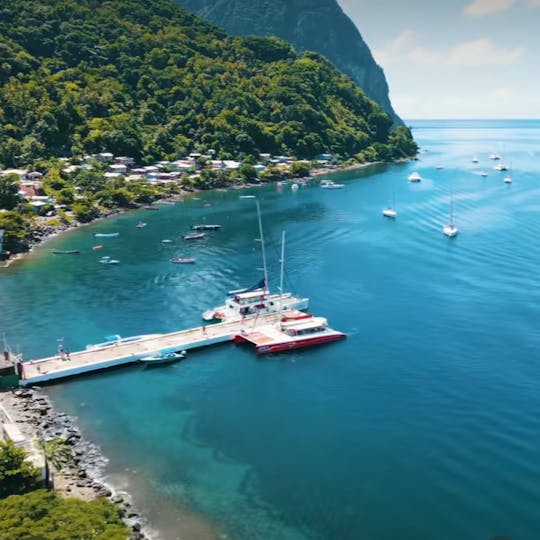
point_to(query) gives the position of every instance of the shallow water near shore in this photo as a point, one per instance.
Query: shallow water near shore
(422, 424)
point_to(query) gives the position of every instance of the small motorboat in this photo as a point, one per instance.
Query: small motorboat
(389, 213)
(107, 260)
(198, 236)
(328, 184)
(483, 174)
(96, 248)
(247, 197)
(166, 241)
(294, 187)
(66, 251)
(141, 224)
(107, 235)
(166, 358)
(507, 179)
(414, 177)
(182, 260)
(205, 227)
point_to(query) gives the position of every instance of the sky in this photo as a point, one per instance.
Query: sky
(455, 58)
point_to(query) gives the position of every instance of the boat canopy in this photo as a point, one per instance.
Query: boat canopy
(259, 285)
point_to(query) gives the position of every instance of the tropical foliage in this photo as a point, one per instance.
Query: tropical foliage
(148, 80)
(45, 516)
(17, 475)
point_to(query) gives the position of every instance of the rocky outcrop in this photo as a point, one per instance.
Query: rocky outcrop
(315, 25)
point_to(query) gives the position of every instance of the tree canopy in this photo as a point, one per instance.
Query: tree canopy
(149, 80)
(17, 475)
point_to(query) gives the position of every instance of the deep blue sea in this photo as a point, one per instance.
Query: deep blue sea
(423, 424)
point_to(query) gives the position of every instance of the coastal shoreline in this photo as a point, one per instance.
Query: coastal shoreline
(35, 416)
(54, 232)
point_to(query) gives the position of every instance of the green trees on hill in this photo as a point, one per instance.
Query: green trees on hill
(148, 80)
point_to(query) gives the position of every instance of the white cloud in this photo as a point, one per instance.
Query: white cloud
(479, 52)
(479, 8)
(482, 52)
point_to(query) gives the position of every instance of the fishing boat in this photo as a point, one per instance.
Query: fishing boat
(328, 184)
(65, 251)
(198, 236)
(107, 235)
(141, 224)
(205, 227)
(166, 358)
(182, 260)
(107, 260)
(450, 229)
(289, 334)
(414, 177)
(257, 300)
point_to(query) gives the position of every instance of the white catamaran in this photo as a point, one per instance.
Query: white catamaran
(257, 300)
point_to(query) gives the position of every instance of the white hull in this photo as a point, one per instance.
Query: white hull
(390, 213)
(450, 230)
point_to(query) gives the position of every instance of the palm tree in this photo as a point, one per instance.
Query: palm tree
(57, 453)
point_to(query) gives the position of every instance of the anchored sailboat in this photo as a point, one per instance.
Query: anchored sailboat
(450, 229)
(257, 300)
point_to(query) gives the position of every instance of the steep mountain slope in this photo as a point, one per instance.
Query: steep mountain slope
(309, 25)
(147, 79)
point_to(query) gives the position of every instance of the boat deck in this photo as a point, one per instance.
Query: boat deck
(55, 367)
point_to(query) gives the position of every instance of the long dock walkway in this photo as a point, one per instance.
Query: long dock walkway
(117, 354)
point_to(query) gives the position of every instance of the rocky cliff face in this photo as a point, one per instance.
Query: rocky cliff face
(316, 25)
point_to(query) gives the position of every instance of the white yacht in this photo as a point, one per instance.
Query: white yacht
(257, 300)
(414, 177)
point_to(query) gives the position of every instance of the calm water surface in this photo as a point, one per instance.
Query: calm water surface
(422, 424)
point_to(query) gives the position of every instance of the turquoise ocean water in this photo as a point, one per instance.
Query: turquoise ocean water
(423, 424)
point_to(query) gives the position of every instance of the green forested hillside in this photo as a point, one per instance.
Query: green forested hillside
(144, 78)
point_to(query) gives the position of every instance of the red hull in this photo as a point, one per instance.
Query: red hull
(300, 344)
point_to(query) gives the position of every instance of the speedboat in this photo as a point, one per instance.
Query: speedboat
(414, 177)
(329, 184)
(166, 358)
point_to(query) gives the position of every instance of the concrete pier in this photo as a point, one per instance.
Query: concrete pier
(57, 367)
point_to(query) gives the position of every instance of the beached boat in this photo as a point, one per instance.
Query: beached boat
(65, 251)
(182, 260)
(414, 177)
(167, 358)
(198, 236)
(107, 235)
(328, 184)
(289, 334)
(205, 227)
(257, 300)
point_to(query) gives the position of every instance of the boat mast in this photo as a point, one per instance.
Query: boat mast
(282, 261)
(262, 246)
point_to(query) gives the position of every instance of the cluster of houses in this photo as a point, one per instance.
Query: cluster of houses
(162, 172)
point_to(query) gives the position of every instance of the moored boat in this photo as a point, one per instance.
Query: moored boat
(205, 227)
(291, 334)
(414, 177)
(329, 184)
(182, 260)
(96, 248)
(166, 358)
(198, 236)
(107, 235)
(141, 224)
(107, 260)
